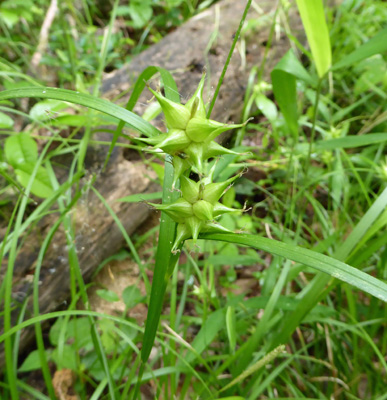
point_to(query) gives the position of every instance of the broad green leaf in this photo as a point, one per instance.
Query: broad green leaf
(313, 19)
(9, 16)
(283, 78)
(140, 14)
(68, 362)
(20, 149)
(213, 325)
(320, 262)
(284, 89)
(5, 121)
(41, 186)
(266, 106)
(47, 109)
(76, 327)
(131, 296)
(105, 106)
(290, 64)
(82, 120)
(32, 362)
(378, 44)
(108, 295)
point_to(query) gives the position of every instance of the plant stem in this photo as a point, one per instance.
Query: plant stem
(236, 37)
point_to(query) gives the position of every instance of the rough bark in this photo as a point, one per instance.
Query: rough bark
(184, 53)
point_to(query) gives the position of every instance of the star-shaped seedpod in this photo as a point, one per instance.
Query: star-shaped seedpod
(196, 210)
(190, 133)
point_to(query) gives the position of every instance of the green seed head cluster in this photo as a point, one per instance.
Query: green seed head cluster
(190, 141)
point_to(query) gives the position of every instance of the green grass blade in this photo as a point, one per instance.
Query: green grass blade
(68, 313)
(376, 45)
(350, 142)
(97, 83)
(320, 262)
(283, 78)
(8, 280)
(165, 260)
(135, 198)
(312, 293)
(102, 105)
(313, 19)
(234, 42)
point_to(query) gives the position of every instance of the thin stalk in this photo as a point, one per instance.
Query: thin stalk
(38, 327)
(11, 367)
(313, 131)
(97, 83)
(236, 37)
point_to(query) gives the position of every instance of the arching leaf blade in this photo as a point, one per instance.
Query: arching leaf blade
(320, 262)
(102, 105)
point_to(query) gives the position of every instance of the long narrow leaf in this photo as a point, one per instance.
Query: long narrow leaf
(312, 293)
(102, 105)
(376, 45)
(313, 19)
(320, 262)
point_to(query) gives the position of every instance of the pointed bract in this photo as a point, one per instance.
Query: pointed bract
(195, 225)
(213, 227)
(220, 209)
(176, 115)
(214, 191)
(176, 141)
(195, 153)
(180, 165)
(195, 104)
(154, 140)
(199, 129)
(214, 149)
(178, 210)
(183, 232)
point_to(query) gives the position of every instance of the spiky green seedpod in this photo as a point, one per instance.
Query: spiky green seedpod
(191, 134)
(190, 141)
(192, 228)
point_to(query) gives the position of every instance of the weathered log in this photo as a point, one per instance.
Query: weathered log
(183, 52)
